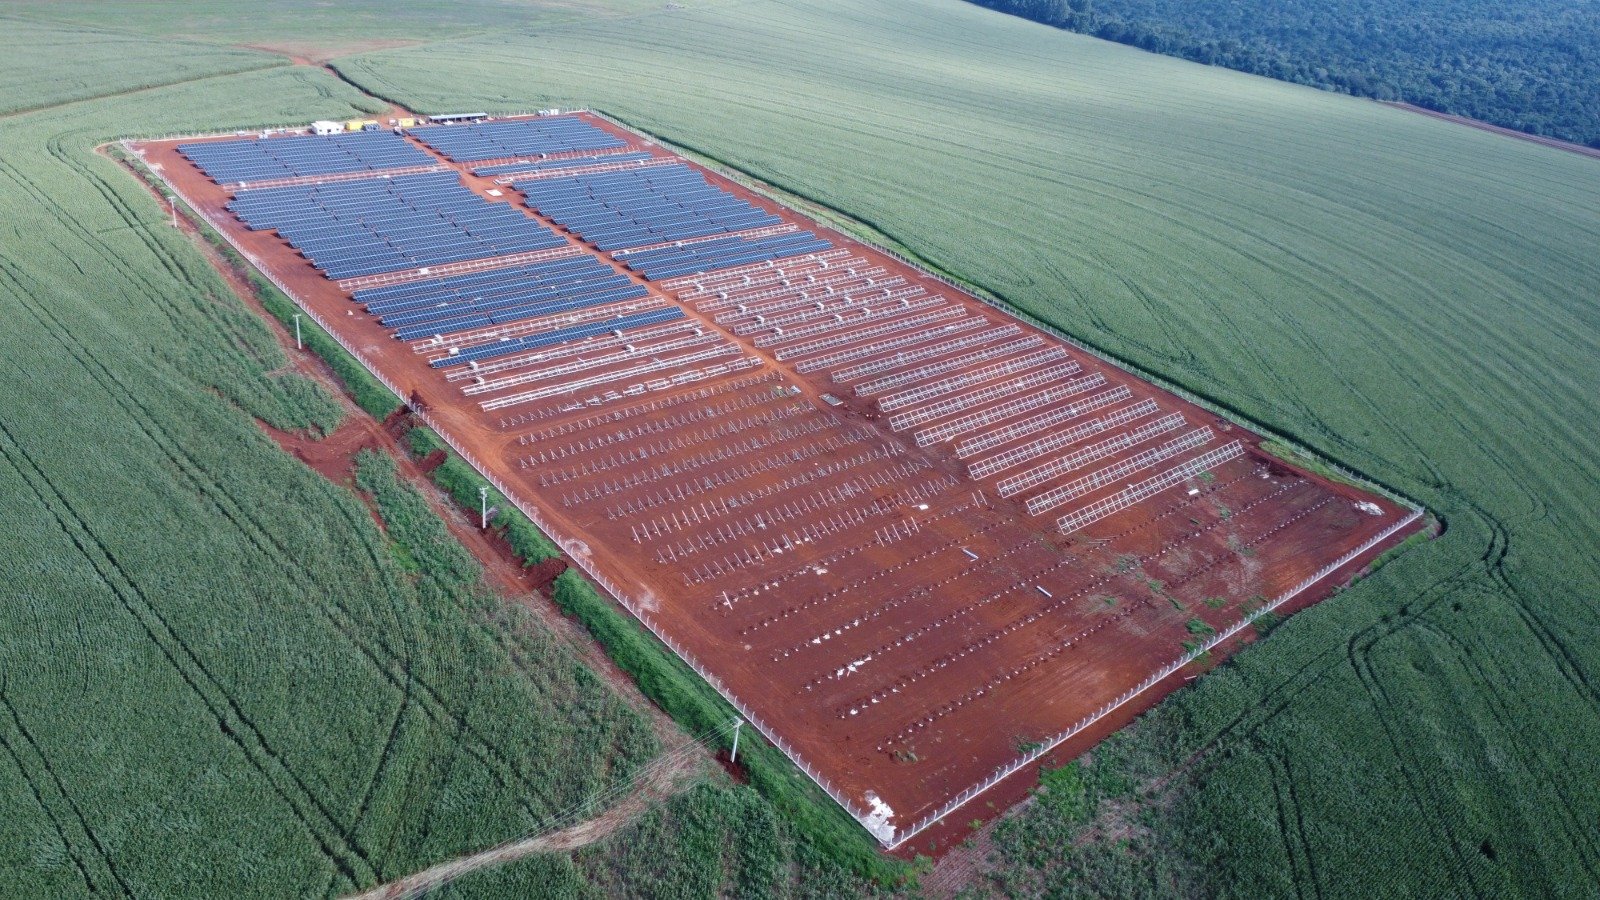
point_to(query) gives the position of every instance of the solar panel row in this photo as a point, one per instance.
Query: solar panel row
(639, 207)
(571, 162)
(371, 225)
(443, 292)
(557, 299)
(559, 336)
(457, 303)
(515, 137)
(263, 159)
(720, 253)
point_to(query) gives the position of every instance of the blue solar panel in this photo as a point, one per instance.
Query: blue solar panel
(371, 225)
(640, 207)
(515, 137)
(571, 162)
(568, 303)
(720, 253)
(263, 159)
(517, 286)
(559, 336)
(453, 286)
(511, 296)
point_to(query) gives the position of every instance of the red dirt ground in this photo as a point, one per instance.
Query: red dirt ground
(900, 625)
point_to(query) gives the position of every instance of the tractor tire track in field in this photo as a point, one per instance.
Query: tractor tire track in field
(73, 844)
(1244, 728)
(408, 682)
(176, 266)
(389, 662)
(225, 711)
(398, 726)
(1569, 665)
(1302, 856)
(147, 289)
(274, 64)
(1358, 649)
(1501, 709)
(407, 615)
(1565, 660)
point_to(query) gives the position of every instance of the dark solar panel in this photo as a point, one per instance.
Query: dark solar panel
(720, 253)
(515, 137)
(571, 162)
(640, 207)
(559, 336)
(266, 159)
(371, 225)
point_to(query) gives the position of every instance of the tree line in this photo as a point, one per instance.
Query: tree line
(1533, 68)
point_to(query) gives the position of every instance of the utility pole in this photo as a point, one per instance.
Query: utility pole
(297, 343)
(733, 756)
(483, 503)
(172, 204)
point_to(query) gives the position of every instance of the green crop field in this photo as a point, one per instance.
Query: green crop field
(314, 25)
(220, 677)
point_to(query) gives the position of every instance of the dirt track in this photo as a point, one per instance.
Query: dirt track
(897, 621)
(664, 778)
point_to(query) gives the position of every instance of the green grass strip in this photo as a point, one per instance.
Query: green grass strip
(368, 392)
(462, 482)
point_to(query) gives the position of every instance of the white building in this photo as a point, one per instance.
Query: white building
(326, 127)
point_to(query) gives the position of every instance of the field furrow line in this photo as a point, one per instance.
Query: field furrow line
(387, 660)
(74, 848)
(231, 719)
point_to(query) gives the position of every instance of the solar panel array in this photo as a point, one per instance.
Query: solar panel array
(571, 162)
(520, 137)
(639, 207)
(370, 225)
(558, 336)
(483, 300)
(569, 324)
(266, 159)
(560, 285)
(720, 253)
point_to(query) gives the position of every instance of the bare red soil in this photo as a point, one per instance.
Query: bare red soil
(903, 627)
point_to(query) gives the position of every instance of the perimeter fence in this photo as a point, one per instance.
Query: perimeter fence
(578, 552)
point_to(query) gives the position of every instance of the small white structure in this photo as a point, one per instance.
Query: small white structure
(326, 127)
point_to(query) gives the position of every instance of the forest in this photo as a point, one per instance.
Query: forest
(1530, 67)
